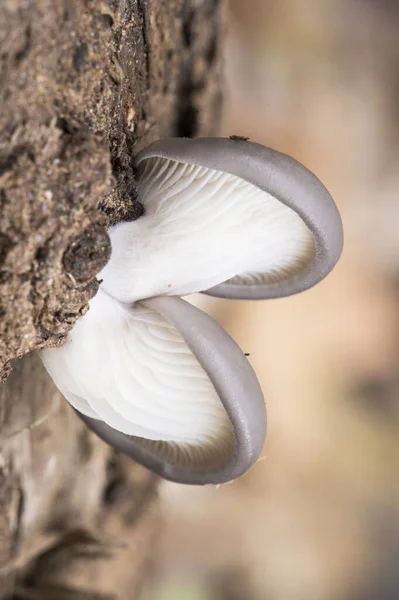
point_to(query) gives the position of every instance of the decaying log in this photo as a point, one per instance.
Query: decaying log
(84, 85)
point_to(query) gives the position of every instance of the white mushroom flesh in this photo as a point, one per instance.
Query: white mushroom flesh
(129, 367)
(202, 227)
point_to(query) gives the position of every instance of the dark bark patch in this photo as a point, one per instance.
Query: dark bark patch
(80, 57)
(8, 162)
(5, 246)
(116, 492)
(3, 310)
(23, 51)
(188, 23)
(87, 254)
(212, 50)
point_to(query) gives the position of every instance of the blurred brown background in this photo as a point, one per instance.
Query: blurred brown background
(318, 517)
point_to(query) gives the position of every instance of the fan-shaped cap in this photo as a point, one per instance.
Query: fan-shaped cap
(165, 384)
(295, 232)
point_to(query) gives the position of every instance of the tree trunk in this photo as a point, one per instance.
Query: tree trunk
(84, 85)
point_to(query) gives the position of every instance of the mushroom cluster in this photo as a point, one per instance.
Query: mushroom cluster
(149, 373)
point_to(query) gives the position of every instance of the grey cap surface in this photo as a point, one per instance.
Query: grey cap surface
(236, 385)
(285, 179)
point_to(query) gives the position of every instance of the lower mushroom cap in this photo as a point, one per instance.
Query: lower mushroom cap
(205, 422)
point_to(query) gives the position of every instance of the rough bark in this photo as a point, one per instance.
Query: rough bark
(84, 85)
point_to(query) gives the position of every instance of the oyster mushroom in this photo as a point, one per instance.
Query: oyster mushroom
(164, 383)
(155, 377)
(225, 216)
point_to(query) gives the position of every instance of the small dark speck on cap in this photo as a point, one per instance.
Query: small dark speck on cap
(239, 137)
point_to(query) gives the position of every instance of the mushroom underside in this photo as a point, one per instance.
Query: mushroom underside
(132, 369)
(278, 243)
(203, 227)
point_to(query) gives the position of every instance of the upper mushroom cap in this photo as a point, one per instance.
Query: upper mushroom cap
(164, 383)
(310, 216)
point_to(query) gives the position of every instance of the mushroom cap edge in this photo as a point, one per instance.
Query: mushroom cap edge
(285, 179)
(237, 387)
